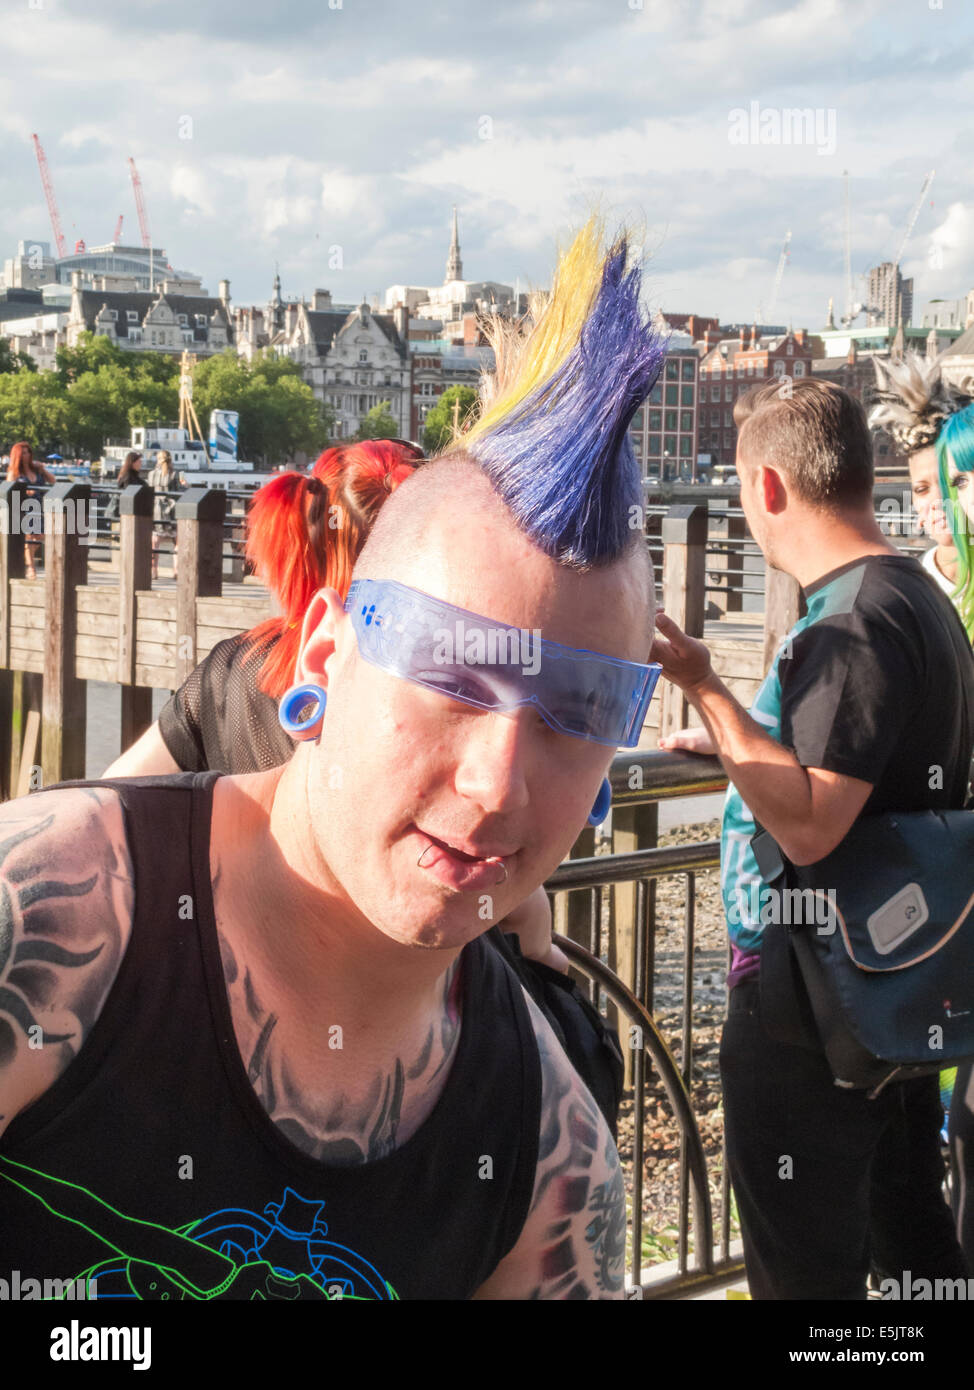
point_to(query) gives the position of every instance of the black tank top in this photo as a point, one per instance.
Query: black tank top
(152, 1166)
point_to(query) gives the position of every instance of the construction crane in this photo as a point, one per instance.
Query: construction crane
(853, 310)
(118, 229)
(49, 195)
(849, 314)
(779, 273)
(140, 204)
(911, 223)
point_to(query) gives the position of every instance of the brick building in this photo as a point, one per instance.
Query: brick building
(731, 366)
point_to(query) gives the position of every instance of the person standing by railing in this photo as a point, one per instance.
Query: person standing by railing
(941, 559)
(130, 472)
(131, 469)
(22, 467)
(932, 422)
(870, 690)
(162, 477)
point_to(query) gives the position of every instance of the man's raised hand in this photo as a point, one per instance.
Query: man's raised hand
(685, 660)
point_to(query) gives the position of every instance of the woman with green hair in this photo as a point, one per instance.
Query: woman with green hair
(955, 460)
(932, 421)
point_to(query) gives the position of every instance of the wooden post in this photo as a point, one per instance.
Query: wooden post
(684, 593)
(11, 567)
(736, 536)
(728, 566)
(236, 561)
(199, 538)
(783, 606)
(572, 910)
(135, 509)
(66, 509)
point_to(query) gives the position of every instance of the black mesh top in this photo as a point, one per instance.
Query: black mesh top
(219, 719)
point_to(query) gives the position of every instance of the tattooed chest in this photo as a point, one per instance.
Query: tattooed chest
(330, 1119)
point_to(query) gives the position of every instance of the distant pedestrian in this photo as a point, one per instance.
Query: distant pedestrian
(163, 479)
(130, 471)
(23, 467)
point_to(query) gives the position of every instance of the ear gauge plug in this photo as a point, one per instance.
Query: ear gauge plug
(309, 700)
(603, 802)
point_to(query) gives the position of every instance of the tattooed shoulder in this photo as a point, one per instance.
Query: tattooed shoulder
(66, 896)
(573, 1242)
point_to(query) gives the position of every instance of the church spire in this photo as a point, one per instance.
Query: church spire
(276, 305)
(454, 265)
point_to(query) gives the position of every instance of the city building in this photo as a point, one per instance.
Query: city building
(882, 339)
(664, 430)
(438, 363)
(949, 313)
(176, 315)
(731, 366)
(958, 361)
(353, 361)
(353, 357)
(139, 268)
(890, 297)
(457, 303)
(39, 335)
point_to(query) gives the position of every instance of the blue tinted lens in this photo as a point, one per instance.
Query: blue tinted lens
(469, 658)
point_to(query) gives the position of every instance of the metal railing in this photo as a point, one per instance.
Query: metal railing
(662, 776)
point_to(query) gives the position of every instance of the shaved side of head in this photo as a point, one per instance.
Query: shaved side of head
(456, 484)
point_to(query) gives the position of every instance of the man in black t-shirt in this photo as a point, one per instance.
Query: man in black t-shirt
(868, 706)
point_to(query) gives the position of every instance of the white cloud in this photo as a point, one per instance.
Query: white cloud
(313, 128)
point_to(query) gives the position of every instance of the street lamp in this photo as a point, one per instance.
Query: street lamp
(666, 466)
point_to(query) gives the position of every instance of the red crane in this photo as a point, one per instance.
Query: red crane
(49, 195)
(140, 204)
(118, 228)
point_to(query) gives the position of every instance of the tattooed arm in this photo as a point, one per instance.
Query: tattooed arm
(65, 920)
(572, 1245)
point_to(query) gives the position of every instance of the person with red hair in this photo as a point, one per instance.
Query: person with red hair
(23, 468)
(304, 534)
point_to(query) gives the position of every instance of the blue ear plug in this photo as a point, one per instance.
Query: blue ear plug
(602, 803)
(309, 700)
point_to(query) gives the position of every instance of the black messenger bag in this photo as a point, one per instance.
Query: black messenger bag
(871, 958)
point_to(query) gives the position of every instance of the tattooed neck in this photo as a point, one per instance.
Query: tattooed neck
(329, 1119)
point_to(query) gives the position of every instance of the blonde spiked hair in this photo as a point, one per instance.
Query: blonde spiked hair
(913, 400)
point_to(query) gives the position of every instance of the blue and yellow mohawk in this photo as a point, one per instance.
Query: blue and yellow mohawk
(552, 436)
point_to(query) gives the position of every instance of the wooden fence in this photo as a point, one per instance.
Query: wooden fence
(60, 630)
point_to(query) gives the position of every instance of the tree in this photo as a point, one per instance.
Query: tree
(33, 407)
(279, 412)
(380, 423)
(11, 361)
(455, 409)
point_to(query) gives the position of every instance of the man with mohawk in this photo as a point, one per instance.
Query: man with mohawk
(294, 1008)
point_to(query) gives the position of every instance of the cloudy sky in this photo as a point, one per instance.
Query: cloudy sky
(272, 133)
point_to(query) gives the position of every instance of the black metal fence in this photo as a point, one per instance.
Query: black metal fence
(627, 995)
